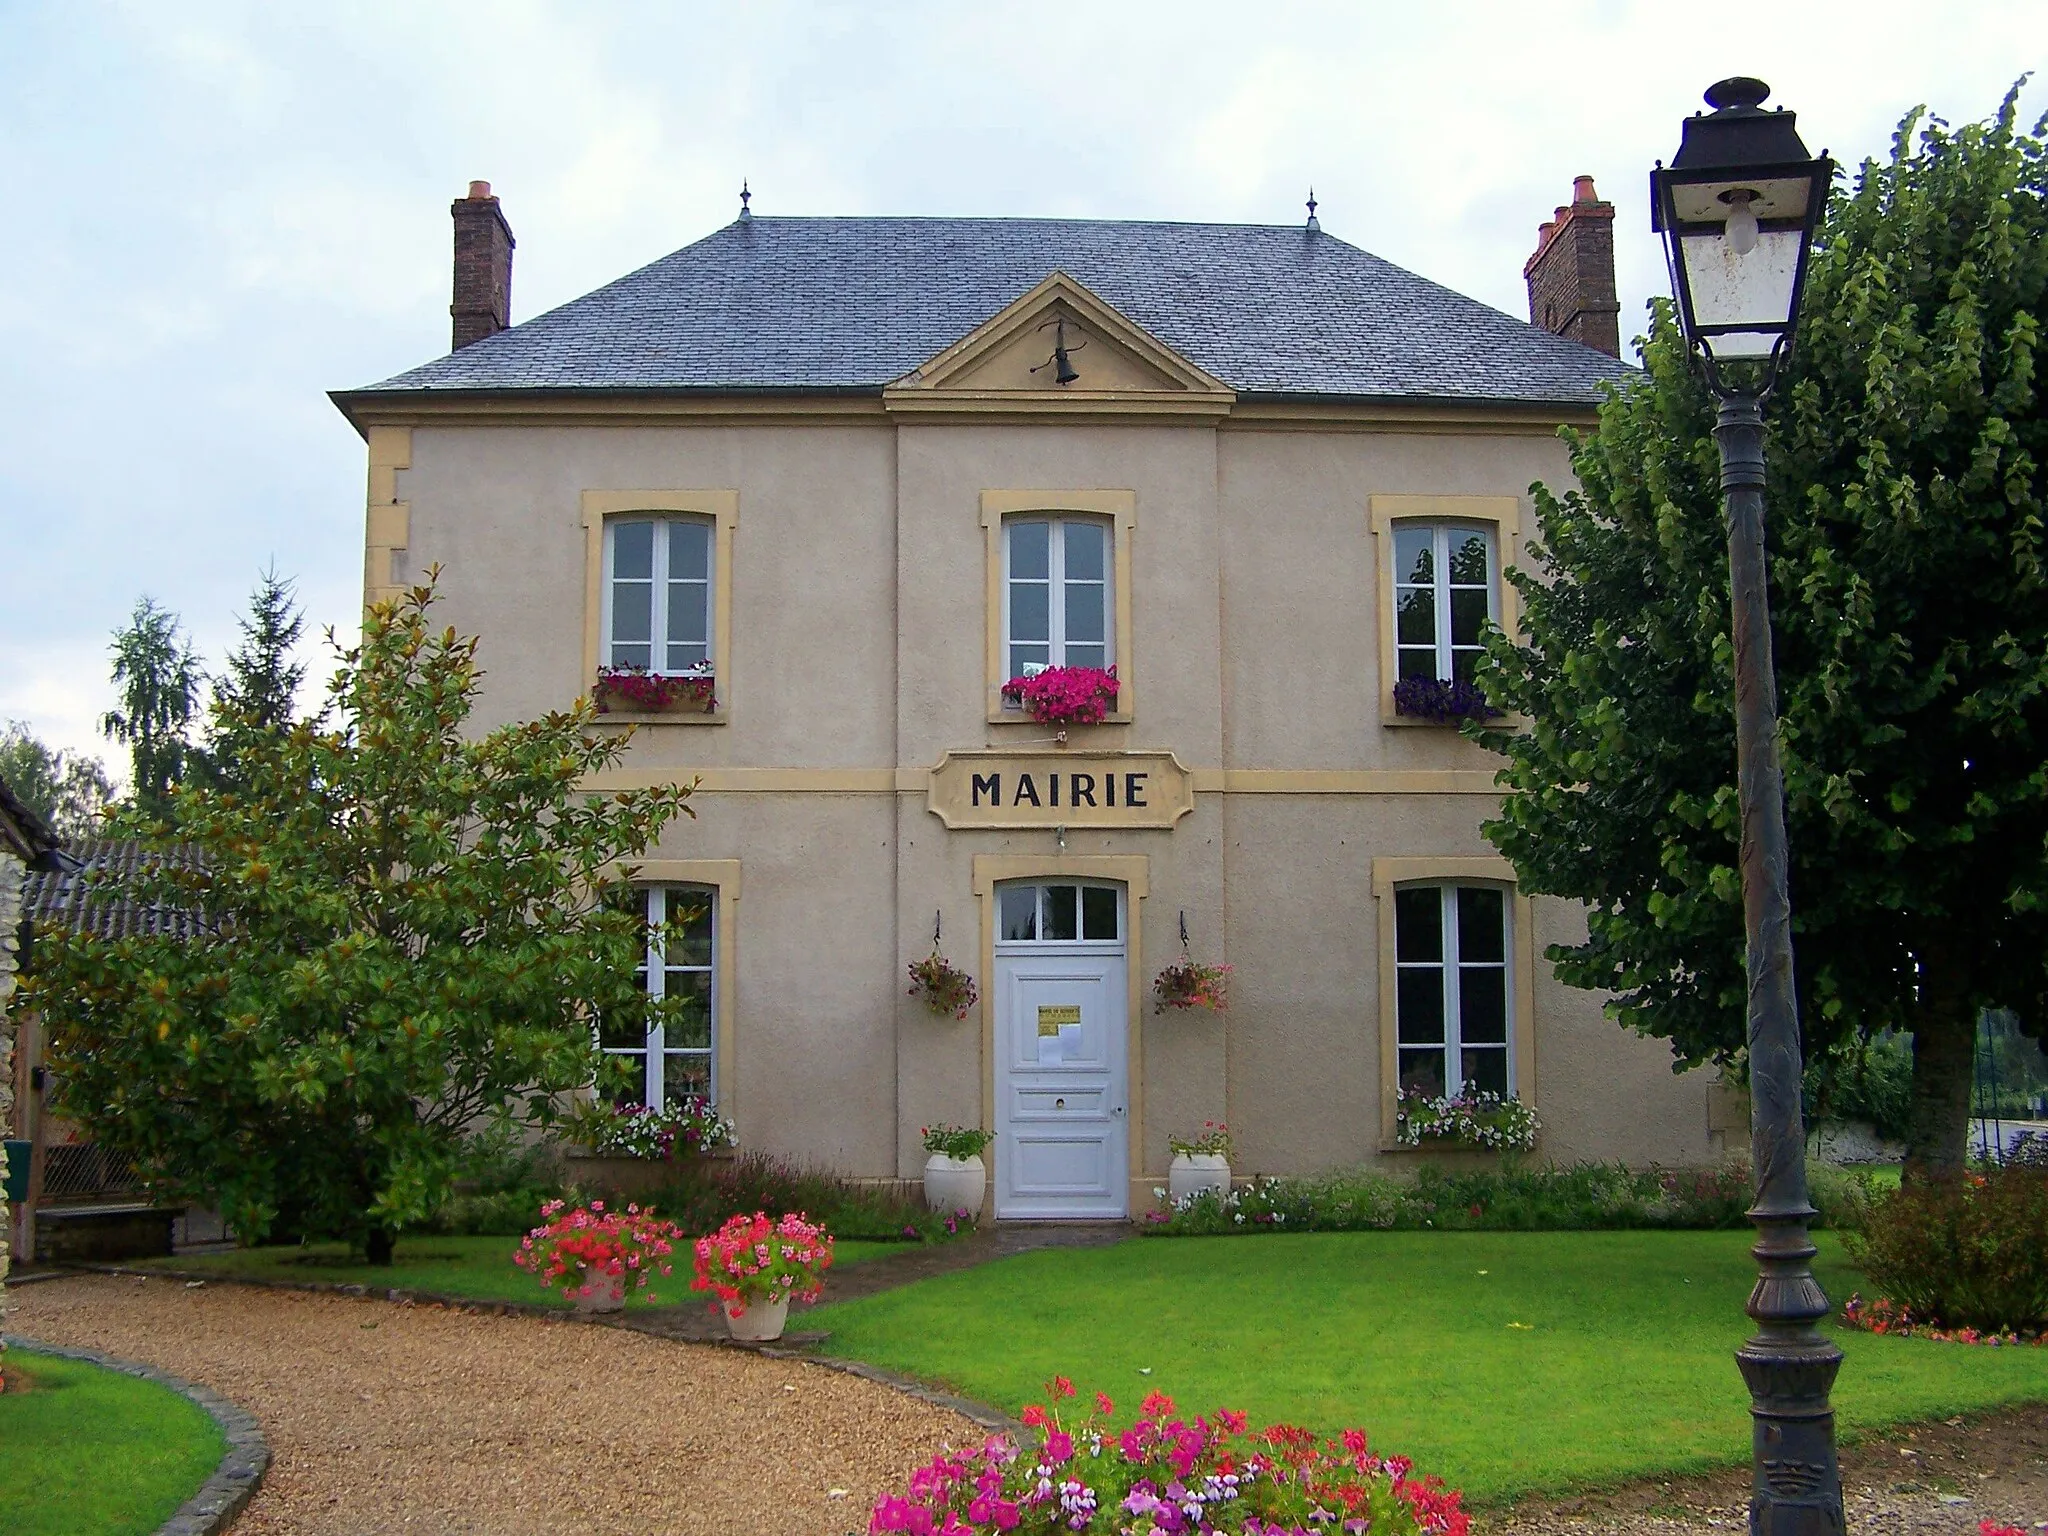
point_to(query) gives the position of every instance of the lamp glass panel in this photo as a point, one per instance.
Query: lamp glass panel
(1752, 289)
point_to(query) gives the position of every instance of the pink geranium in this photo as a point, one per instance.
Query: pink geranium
(1065, 695)
(589, 1247)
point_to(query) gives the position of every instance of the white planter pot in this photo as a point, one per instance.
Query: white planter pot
(762, 1322)
(954, 1183)
(602, 1293)
(1192, 1172)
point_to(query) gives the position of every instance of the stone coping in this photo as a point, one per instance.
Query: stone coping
(240, 1473)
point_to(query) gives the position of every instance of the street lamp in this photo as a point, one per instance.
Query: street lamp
(1737, 209)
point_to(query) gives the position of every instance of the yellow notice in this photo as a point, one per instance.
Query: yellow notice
(1052, 1015)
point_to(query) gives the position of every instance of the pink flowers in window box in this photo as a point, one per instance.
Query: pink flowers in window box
(1065, 695)
(591, 1249)
(1166, 1473)
(752, 1261)
(653, 693)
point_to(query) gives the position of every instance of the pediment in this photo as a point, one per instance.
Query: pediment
(1007, 363)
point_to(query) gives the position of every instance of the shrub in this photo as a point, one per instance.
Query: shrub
(1166, 1473)
(502, 1180)
(1970, 1252)
(1578, 1196)
(703, 1193)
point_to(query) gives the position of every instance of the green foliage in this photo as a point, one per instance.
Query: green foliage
(1577, 1197)
(86, 1451)
(1970, 1252)
(259, 690)
(71, 792)
(1905, 448)
(395, 929)
(157, 673)
(1865, 1078)
(502, 1177)
(705, 1191)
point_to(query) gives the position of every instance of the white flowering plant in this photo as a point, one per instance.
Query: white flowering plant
(1491, 1121)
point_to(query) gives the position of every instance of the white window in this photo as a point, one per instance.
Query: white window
(1056, 594)
(675, 1059)
(1058, 914)
(1452, 1025)
(657, 586)
(1445, 595)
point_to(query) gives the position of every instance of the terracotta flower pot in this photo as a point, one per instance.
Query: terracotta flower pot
(1192, 1172)
(761, 1323)
(599, 1293)
(954, 1183)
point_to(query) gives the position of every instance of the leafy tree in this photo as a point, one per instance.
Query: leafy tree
(259, 690)
(1905, 449)
(393, 930)
(69, 790)
(158, 675)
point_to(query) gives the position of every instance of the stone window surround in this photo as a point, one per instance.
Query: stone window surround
(722, 509)
(1121, 508)
(1501, 514)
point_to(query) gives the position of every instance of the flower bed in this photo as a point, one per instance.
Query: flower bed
(1065, 695)
(1443, 700)
(637, 689)
(1879, 1315)
(1484, 1120)
(1168, 1474)
(751, 1261)
(588, 1247)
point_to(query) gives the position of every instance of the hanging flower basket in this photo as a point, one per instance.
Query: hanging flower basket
(1188, 983)
(1065, 695)
(639, 691)
(1443, 700)
(944, 989)
(1483, 1120)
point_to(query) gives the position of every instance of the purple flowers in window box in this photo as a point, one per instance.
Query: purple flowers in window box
(1444, 700)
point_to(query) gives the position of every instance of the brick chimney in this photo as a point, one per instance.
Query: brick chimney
(483, 267)
(1571, 276)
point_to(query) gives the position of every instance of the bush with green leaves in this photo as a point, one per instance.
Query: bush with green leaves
(1967, 1252)
(392, 928)
(1574, 1197)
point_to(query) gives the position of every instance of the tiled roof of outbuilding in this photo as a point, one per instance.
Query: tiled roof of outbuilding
(96, 896)
(803, 305)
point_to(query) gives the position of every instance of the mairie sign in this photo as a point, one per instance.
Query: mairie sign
(1060, 789)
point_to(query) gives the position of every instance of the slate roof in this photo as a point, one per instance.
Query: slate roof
(847, 305)
(92, 893)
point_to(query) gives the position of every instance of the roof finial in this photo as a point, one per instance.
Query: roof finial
(1312, 221)
(745, 198)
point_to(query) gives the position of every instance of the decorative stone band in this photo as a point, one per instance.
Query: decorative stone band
(240, 1473)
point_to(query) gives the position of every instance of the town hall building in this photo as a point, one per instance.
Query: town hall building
(820, 488)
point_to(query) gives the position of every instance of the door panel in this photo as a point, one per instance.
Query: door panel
(1061, 1029)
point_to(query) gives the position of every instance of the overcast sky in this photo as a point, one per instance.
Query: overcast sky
(215, 213)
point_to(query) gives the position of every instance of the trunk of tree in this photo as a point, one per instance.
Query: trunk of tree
(377, 1245)
(1944, 1051)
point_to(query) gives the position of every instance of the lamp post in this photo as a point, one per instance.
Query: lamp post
(1737, 209)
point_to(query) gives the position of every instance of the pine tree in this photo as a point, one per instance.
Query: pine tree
(158, 675)
(258, 692)
(1909, 590)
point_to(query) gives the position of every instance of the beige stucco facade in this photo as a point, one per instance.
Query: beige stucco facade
(857, 590)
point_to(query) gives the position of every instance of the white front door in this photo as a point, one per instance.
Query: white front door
(1062, 1024)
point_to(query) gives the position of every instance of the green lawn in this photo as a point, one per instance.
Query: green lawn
(91, 1452)
(1506, 1362)
(476, 1268)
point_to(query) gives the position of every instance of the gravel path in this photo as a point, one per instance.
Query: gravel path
(400, 1418)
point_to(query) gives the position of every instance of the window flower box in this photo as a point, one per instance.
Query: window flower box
(1443, 700)
(635, 690)
(1065, 696)
(1483, 1121)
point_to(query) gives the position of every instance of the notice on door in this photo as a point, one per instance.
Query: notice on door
(1052, 1016)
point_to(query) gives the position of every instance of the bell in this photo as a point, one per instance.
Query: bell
(1062, 367)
